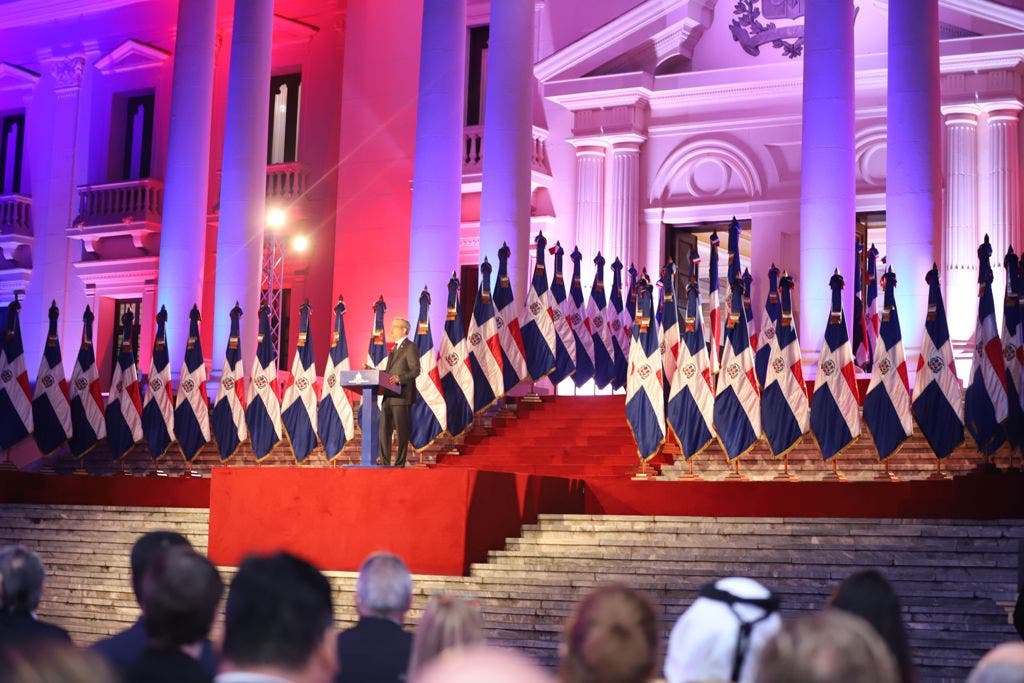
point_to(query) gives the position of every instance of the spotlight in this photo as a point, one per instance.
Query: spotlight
(276, 218)
(300, 243)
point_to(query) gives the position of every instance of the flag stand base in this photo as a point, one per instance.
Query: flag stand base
(645, 473)
(785, 474)
(690, 474)
(735, 475)
(835, 474)
(938, 474)
(886, 474)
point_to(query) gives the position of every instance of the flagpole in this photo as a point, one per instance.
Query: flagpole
(835, 474)
(785, 474)
(690, 474)
(736, 475)
(938, 474)
(886, 474)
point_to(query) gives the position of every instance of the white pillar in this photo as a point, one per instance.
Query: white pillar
(1003, 224)
(827, 180)
(508, 137)
(590, 182)
(243, 178)
(183, 239)
(960, 232)
(622, 233)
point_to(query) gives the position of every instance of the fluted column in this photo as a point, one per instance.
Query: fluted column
(182, 252)
(622, 234)
(243, 179)
(1003, 172)
(960, 229)
(590, 184)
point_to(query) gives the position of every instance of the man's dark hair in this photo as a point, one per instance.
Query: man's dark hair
(21, 576)
(278, 608)
(182, 589)
(146, 549)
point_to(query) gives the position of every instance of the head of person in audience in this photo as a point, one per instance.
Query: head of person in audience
(1003, 664)
(719, 636)
(181, 592)
(871, 597)
(384, 588)
(611, 637)
(830, 646)
(146, 549)
(279, 621)
(482, 663)
(448, 622)
(48, 662)
(21, 580)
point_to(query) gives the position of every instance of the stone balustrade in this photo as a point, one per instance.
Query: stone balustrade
(129, 201)
(287, 182)
(16, 214)
(473, 151)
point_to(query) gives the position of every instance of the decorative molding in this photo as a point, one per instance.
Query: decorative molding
(288, 31)
(66, 72)
(624, 119)
(870, 150)
(13, 77)
(127, 275)
(988, 11)
(708, 168)
(131, 55)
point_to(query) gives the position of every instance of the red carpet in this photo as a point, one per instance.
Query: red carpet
(75, 489)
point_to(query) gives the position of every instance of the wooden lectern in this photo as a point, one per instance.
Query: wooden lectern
(369, 383)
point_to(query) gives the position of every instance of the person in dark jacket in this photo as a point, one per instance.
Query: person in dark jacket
(403, 367)
(21, 576)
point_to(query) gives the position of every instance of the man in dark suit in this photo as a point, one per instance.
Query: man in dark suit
(403, 368)
(21, 577)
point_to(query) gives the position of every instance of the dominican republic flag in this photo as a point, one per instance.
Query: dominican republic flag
(158, 408)
(513, 356)
(484, 346)
(456, 374)
(124, 404)
(429, 414)
(887, 403)
(769, 321)
(335, 421)
(51, 411)
(298, 407)
(377, 353)
(575, 312)
(748, 279)
(597, 315)
(1013, 349)
(861, 352)
(785, 415)
(937, 394)
(536, 323)
(15, 396)
(670, 338)
(737, 401)
(691, 398)
(565, 343)
(871, 304)
(229, 426)
(986, 406)
(645, 387)
(835, 419)
(621, 326)
(714, 307)
(263, 410)
(87, 423)
(192, 406)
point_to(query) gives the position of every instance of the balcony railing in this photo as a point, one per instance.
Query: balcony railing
(473, 151)
(15, 215)
(287, 182)
(131, 201)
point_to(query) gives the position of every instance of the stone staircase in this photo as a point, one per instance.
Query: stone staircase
(956, 578)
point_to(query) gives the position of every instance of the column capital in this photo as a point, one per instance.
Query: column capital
(961, 113)
(588, 146)
(629, 142)
(66, 72)
(1003, 111)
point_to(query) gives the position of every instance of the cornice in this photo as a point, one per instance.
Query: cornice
(13, 77)
(132, 55)
(29, 12)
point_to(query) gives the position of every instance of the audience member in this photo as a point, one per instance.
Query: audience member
(278, 623)
(182, 589)
(1003, 664)
(123, 649)
(21, 581)
(482, 663)
(53, 662)
(448, 622)
(376, 649)
(611, 637)
(721, 634)
(868, 595)
(831, 646)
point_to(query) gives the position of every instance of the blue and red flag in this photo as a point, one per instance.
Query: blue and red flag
(565, 343)
(456, 374)
(1013, 350)
(335, 420)
(670, 338)
(87, 422)
(192, 406)
(887, 402)
(621, 326)
(513, 359)
(575, 312)
(263, 410)
(645, 387)
(377, 353)
(986, 405)
(124, 404)
(15, 396)
(51, 411)
(158, 408)
(597, 315)
(714, 307)
(737, 399)
(769, 322)
(835, 418)
(861, 352)
(429, 414)
(538, 328)
(229, 426)
(748, 279)
(785, 415)
(484, 346)
(871, 320)
(299, 405)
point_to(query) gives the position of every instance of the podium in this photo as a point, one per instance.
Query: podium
(369, 383)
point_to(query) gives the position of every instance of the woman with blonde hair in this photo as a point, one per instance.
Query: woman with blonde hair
(448, 622)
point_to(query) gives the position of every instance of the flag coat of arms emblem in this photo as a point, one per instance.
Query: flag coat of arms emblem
(986, 405)
(484, 346)
(513, 359)
(645, 388)
(456, 375)
(192, 407)
(861, 352)
(785, 414)
(621, 326)
(600, 331)
(748, 308)
(15, 396)
(871, 304)
(429, 414)
(887, 402)
(263, 401)
(670, 339)
(565, 343)
(335, 420)
(87, 420)
(51, 411)
(714, 307)
(229, 426)
(1013, 353)
(835, 419)
(158, 408)
(737, 400)
(298, 407)
(124, 404)
(538, 328)
(575, 312)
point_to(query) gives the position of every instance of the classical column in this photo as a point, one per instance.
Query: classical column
(1003, 224)
(437, 162)
(827, 180)
(622, 234)
(590, 182)
(243, 176)
(508, 137)
(187, 179)
(913, 171)
(960, 230)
